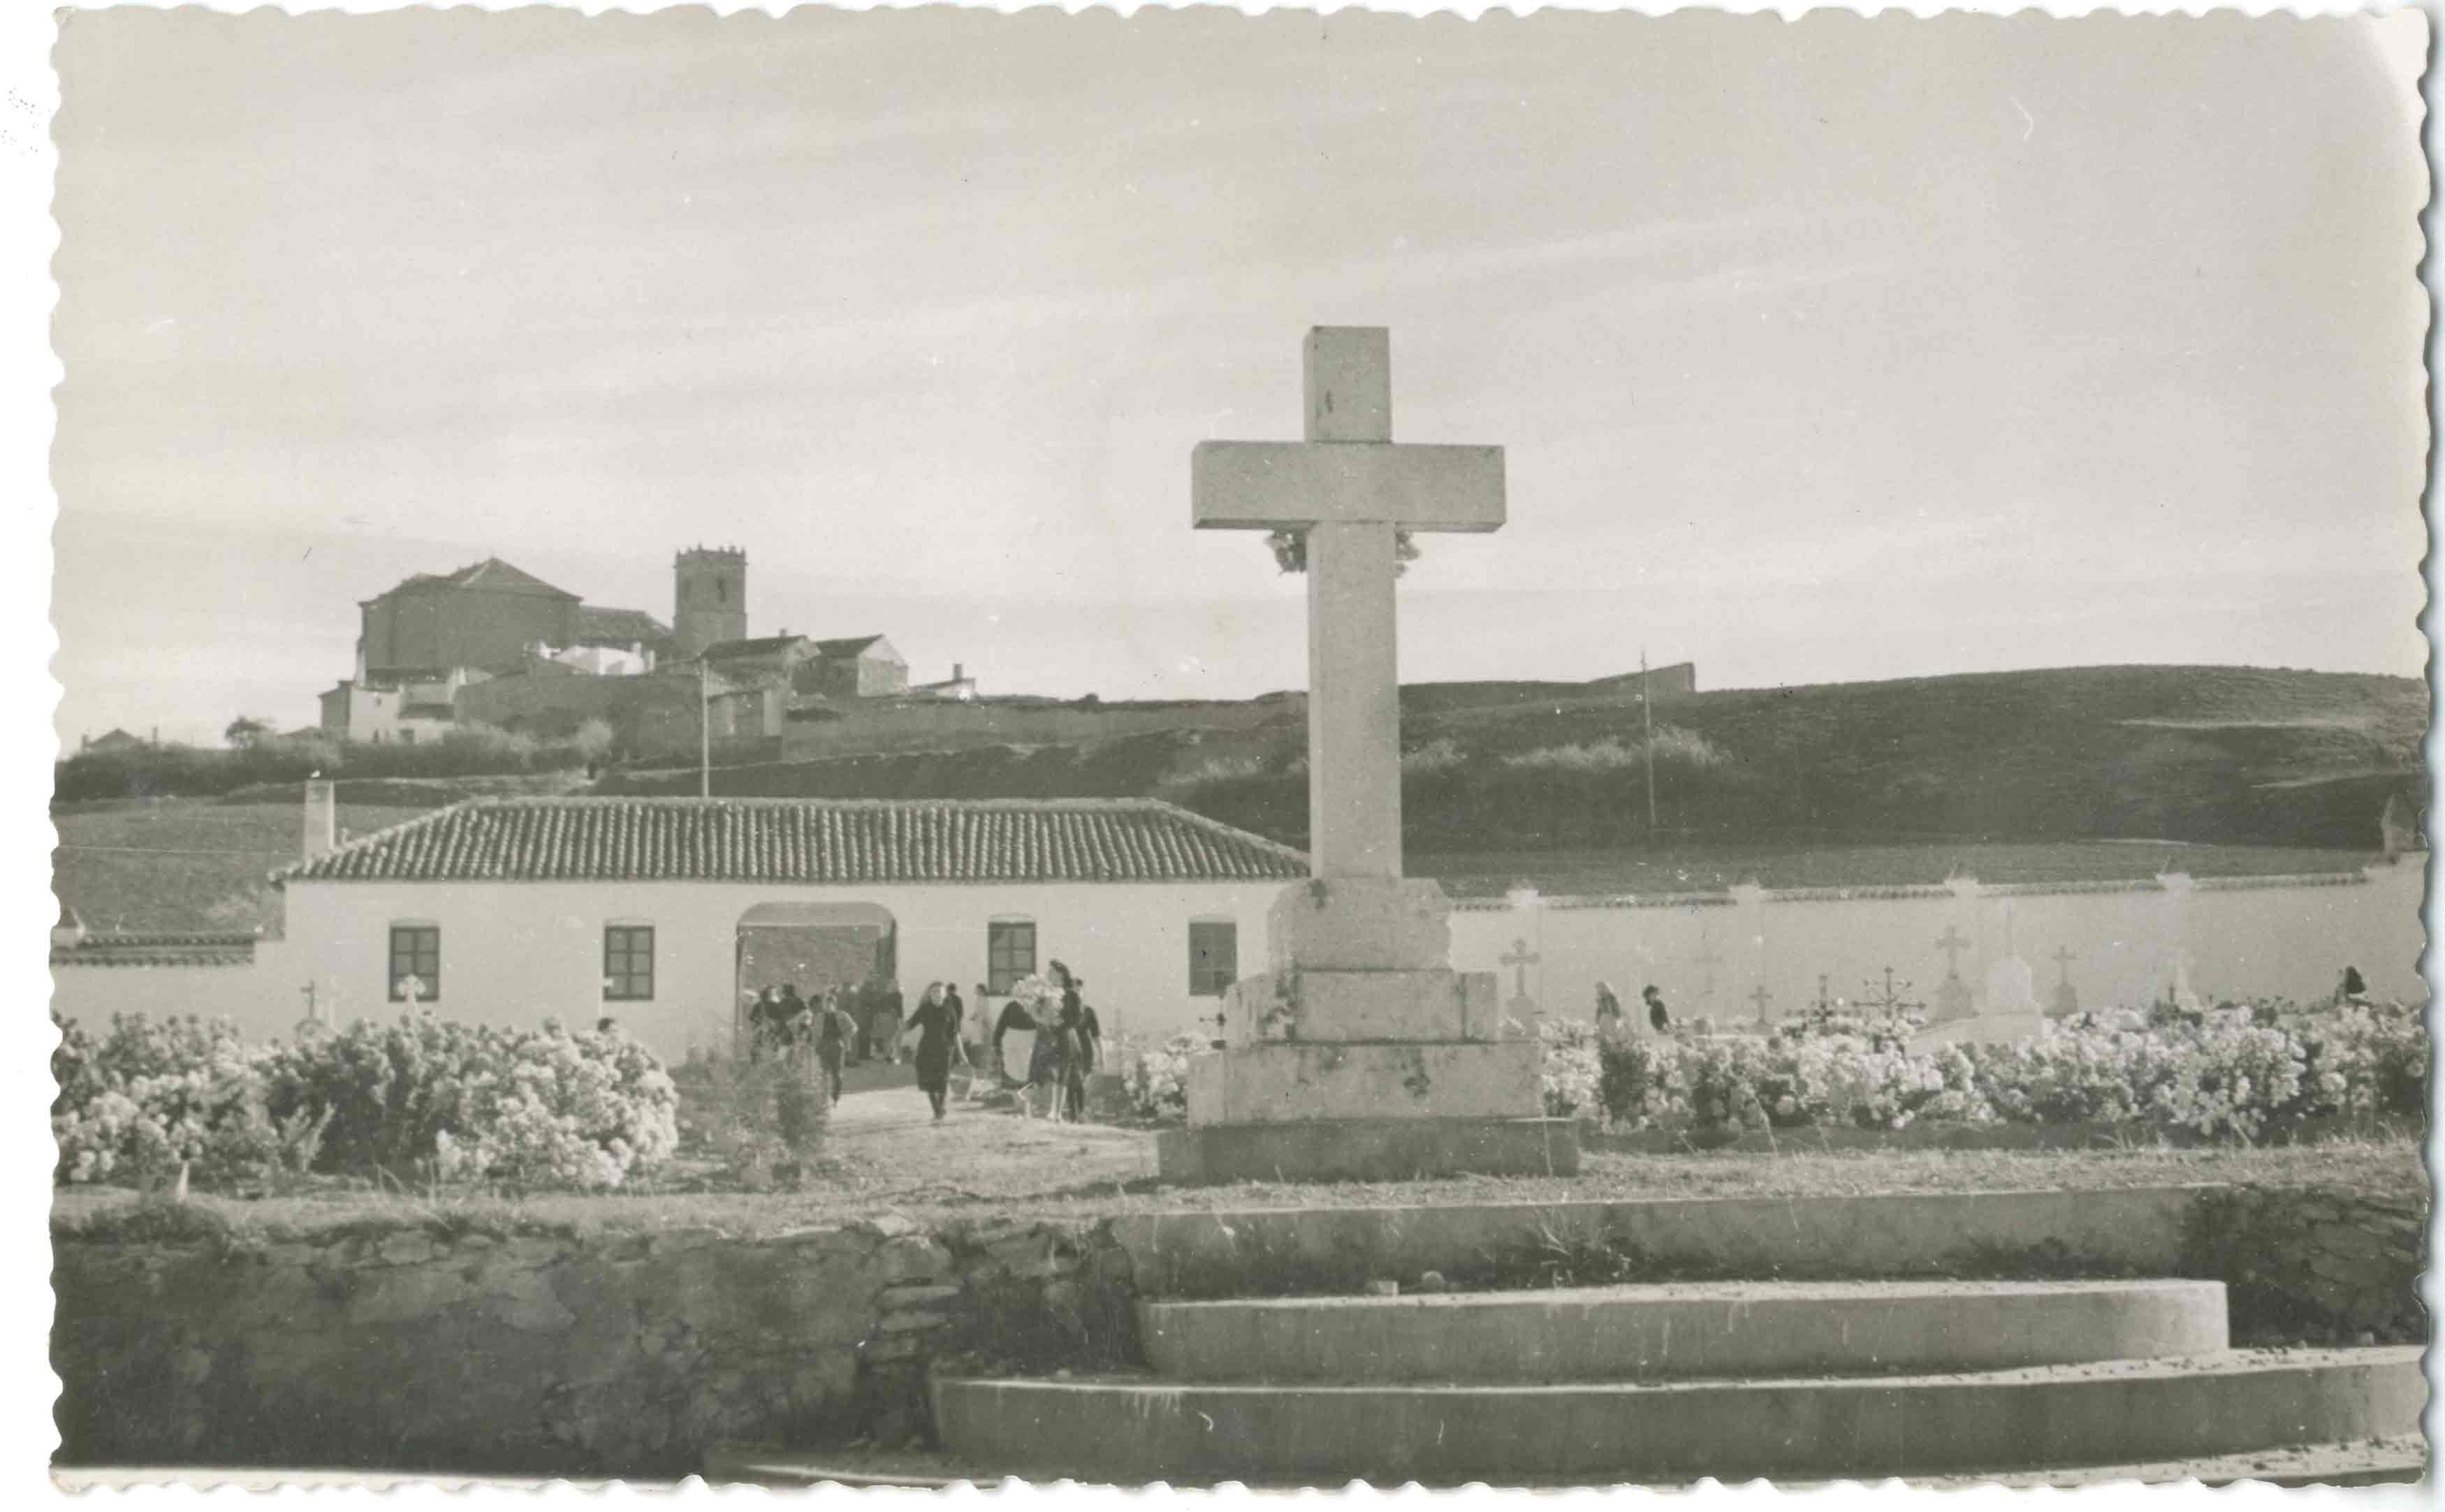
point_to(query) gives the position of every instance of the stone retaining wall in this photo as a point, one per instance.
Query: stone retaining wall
(2317, 1263)
(608, 1356)
(634, 1355)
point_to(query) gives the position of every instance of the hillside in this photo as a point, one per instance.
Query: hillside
(185, 863)
(2230, 755)
(178, 863)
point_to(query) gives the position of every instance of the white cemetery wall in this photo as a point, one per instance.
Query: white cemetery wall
(2246, 938)
(258, 996)
(516, 952)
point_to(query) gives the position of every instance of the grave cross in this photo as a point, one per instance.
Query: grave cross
(1892, 1000)
(2063, 957)
(1952, 945)
(1520, 959)
(1349, 489)
(1760, 997)
(1709, 957)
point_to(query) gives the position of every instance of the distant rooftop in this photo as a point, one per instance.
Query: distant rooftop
(491, 573)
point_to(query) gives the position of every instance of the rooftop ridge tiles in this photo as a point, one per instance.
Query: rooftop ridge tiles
(806, 841)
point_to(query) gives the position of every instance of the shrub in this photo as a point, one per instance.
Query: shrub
(560, 1109)
(1443, 754)
(756, 1116)
(2218, 1074)
(420, 1095)
(1569, 1072)
(1157, 1078)
(150, 1097)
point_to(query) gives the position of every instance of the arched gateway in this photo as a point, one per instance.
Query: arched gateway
(816, 945)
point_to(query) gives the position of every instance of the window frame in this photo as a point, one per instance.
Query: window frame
(1001, 973)
(628, 934)
(418, 952)
(1201, 980)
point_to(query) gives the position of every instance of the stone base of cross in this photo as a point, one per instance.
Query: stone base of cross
(1360, 1055)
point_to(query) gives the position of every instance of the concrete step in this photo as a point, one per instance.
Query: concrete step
(1135, 1429)
(2365, 1462)
(1254, 1252)
(1719, 1329)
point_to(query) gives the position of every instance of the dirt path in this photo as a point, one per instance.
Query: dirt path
(886, 1140)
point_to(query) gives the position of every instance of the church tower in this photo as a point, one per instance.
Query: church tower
(711, 600)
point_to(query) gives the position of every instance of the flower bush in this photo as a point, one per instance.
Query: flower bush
(2237, 1073)
(148, 1099)
(1571, 1069)
(1157, 1077)
(420, 1095)
(561, 1109)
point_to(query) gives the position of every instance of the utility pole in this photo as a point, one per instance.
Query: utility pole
(1647, 713)
(703, 728)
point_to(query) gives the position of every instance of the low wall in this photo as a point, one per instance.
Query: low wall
(607, 1355)
(2121, 944)
(178, 1341)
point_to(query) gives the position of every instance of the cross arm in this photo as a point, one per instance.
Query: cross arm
(1291, 485)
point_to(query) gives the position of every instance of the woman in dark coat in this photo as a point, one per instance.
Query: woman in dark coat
(937, 1030)
(1076, 1050)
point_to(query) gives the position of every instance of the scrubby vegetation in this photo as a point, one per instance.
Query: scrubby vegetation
(415, 1102)
(2226, 756)
(2247, 1074)
(185, 771)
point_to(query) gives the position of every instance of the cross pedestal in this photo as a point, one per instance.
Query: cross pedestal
(1360, 1055)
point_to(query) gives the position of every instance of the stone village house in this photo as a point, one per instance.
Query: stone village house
(661, 912)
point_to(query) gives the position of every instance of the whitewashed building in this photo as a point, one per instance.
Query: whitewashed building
(662, 912)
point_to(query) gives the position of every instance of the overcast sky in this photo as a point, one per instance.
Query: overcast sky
(1827, 351)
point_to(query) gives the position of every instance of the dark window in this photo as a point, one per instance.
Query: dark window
(1213, 957)
(1010, 953)
(628, 963)
(415, 951)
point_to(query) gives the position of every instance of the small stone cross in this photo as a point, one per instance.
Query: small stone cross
(1520, 959)
(2063, 957)
(1760, 997)
(1952, 945)
(1349, 489)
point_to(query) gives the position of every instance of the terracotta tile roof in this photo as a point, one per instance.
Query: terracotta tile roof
(491, 572)
(624, 626)
(187, 949)
(816, 841)
(846, 645)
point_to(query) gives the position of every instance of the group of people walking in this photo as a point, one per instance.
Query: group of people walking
(843, 1027)
(1068, 1044)
(783, 1026)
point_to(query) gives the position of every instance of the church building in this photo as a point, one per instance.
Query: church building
(663, 913)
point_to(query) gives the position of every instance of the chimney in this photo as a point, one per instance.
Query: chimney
(322, 818)
(959, 673)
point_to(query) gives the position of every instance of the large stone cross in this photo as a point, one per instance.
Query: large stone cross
(1348, 488)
